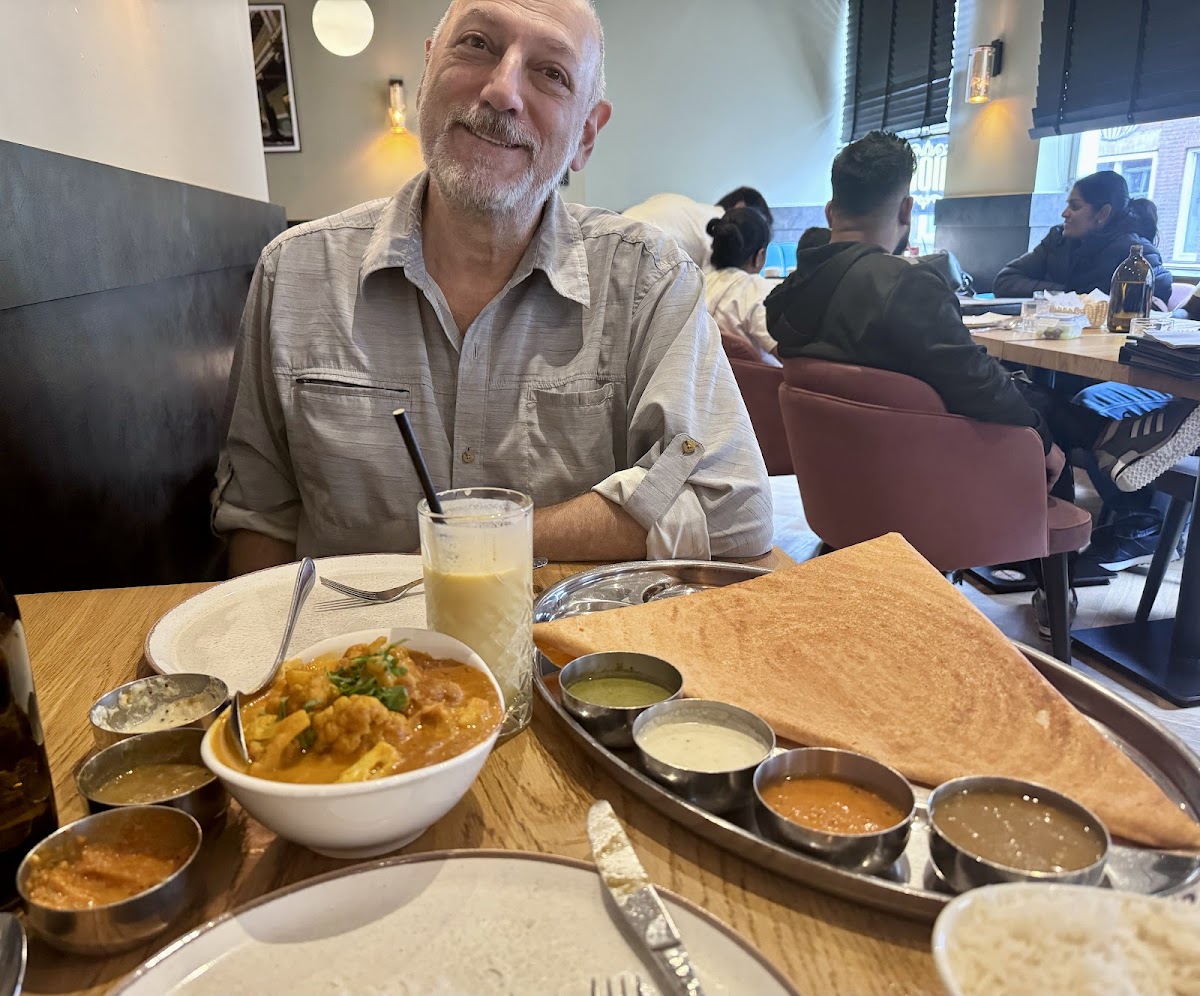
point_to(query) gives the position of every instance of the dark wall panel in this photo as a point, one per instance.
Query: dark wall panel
(984, 232)
(120, 297)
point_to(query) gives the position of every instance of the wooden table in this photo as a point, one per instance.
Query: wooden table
(533, 795)
(1164, 654)
(1095, 355)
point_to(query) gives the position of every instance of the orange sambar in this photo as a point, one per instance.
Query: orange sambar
(831, 806)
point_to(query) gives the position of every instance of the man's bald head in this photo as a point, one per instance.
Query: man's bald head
(599, 84)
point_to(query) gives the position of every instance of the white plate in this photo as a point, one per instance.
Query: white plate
(233, 630)
(445, 922)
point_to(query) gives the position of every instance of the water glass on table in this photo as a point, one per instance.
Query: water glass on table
(477, 557)
(1031, 310)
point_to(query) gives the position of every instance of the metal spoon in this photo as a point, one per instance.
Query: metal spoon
(13, 951)
(305, 579)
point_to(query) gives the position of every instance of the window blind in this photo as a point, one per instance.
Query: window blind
(898, 60)
(1106, 63)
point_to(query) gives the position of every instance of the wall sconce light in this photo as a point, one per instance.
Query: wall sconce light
(982, 68)
(344, 27)
(397, 107)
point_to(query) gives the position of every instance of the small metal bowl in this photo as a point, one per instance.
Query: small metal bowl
(115, 927)
(866, 851)
(716, 791)
(118, 714)
(961, 870)
(613, 725)
(207, 803)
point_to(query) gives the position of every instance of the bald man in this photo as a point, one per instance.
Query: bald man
(558, 350)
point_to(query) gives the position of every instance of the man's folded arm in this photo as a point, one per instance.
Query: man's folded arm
(926, 327)
(695, 482)
(256, 502)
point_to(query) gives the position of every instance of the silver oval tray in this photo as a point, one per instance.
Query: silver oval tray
(911, 887)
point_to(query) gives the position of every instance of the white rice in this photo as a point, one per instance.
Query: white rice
(1022, 940)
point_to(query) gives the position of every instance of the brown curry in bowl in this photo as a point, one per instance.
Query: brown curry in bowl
(377, 710)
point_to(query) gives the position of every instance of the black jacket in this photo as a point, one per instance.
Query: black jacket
(1062, 264)
(886, 313)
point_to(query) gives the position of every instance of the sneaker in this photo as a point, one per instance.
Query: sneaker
(1135, 451)
(1128, 542)
(1041, 612)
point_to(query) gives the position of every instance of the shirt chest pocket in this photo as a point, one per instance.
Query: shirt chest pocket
(351, 467)
(571, 442)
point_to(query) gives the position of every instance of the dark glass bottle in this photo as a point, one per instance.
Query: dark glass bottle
(1132, 291)
(27, 812)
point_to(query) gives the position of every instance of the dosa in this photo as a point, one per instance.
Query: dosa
(872, 650)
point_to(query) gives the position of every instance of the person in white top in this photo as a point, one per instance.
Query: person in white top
(735, 291)
(686, 220)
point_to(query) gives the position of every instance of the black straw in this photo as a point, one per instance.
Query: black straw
(414, 451)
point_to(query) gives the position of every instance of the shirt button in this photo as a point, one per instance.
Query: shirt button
(689, 447)
(468, 456)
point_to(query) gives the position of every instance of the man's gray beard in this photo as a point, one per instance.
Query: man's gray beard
(471, 189)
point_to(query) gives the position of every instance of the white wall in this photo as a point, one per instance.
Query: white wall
(164, 87)
(710, 94)
(990, 149)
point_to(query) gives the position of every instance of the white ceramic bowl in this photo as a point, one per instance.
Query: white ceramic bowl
(1066, 939)
(362, 819)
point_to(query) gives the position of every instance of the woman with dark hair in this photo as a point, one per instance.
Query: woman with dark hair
(1084, 251)
(1143, 217)
(735, 291)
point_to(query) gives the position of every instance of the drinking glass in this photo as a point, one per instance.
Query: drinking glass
(477, 557)
(1031, 310)
(1155, 325)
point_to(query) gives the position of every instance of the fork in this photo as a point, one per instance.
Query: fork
(357, 596)
(619, 985)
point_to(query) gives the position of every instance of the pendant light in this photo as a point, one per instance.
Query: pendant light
(344, 27)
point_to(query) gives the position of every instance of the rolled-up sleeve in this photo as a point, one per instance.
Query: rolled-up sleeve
(256, 488)
(696, 480)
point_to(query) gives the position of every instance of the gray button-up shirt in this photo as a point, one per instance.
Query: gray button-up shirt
(596, 367)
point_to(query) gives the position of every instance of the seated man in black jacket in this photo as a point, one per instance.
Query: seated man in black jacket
(853, 301)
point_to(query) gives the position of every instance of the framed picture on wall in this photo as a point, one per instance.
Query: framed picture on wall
(273, 74)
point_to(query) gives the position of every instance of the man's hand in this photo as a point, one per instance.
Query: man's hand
(587, 528)
(250, 551)
(1056, 460)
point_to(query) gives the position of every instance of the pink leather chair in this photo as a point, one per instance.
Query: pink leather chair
(1180, 292)
(759, 383)
(876, 452)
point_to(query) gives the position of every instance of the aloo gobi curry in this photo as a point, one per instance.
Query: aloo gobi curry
(376, 710)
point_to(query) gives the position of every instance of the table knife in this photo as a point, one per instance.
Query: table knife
(639, 903)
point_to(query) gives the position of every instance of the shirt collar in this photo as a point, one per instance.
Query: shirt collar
(557, 248)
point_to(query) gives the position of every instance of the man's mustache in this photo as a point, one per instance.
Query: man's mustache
(496, 127)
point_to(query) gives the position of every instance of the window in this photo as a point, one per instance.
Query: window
(928, 186)
(1138, 171)
(1158, 161)
(1187, 238)
(898, 62)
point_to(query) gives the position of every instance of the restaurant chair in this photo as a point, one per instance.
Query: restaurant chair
(759, 383)
(1180, 292)
(1180, 483)
(876, 452)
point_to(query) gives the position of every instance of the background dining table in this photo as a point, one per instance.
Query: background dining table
(532, 795)
(1162, 654)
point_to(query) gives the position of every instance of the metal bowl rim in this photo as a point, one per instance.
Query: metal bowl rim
(1031, 876)
(209, 679)
(906, 820)
(640, 723)
(620, 710)
(138, 736)
(124, 811)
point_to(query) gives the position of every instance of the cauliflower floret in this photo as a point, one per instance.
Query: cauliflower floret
(356, 723)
